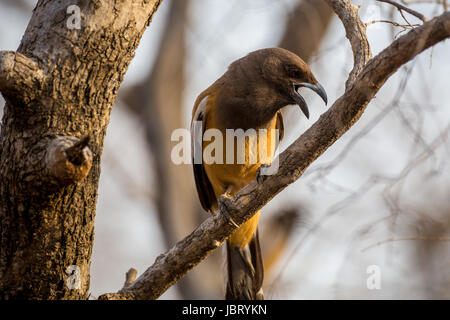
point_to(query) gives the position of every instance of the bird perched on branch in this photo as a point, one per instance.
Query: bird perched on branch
(248, 96)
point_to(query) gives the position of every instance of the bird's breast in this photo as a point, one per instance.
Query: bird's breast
(234, 161)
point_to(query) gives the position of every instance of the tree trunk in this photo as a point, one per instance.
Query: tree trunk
(59, 86)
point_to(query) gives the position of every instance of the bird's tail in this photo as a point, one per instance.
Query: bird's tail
(245, 271)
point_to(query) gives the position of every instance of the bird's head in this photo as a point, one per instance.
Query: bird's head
(287, 73)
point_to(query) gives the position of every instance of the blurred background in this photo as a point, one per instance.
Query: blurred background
(378, 199)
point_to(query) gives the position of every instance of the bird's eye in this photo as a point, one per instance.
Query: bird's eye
(294, 73)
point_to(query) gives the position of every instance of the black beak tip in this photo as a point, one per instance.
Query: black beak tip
(307, 115)
(322, 93)
(317, 88)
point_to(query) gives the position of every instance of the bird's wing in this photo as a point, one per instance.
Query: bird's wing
(204, 188)
(280, 126)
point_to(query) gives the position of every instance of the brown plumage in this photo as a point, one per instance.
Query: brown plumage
(248, 96)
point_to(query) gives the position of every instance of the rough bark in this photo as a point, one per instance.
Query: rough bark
(59, 89)
(367, 80)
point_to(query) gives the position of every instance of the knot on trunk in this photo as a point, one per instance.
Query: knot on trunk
(68, 159)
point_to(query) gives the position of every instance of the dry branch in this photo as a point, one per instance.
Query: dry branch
(130, 277)
(401, 8)
(367, 80)
(355, 31)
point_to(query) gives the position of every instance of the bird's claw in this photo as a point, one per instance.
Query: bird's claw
(224, 200)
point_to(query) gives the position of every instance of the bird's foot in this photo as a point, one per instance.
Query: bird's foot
(224, 201)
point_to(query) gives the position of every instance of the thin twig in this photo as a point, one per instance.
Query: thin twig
(403, 26)
(401, 8)
(440, 239)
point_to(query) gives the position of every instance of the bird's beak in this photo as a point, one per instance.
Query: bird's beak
(317, 88)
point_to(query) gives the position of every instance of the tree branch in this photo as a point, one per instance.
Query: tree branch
(21, 80)
(130, 277)
(355, 31)
(401, 8)
(187, 253)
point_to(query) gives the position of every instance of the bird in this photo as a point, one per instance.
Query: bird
(248, 96)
